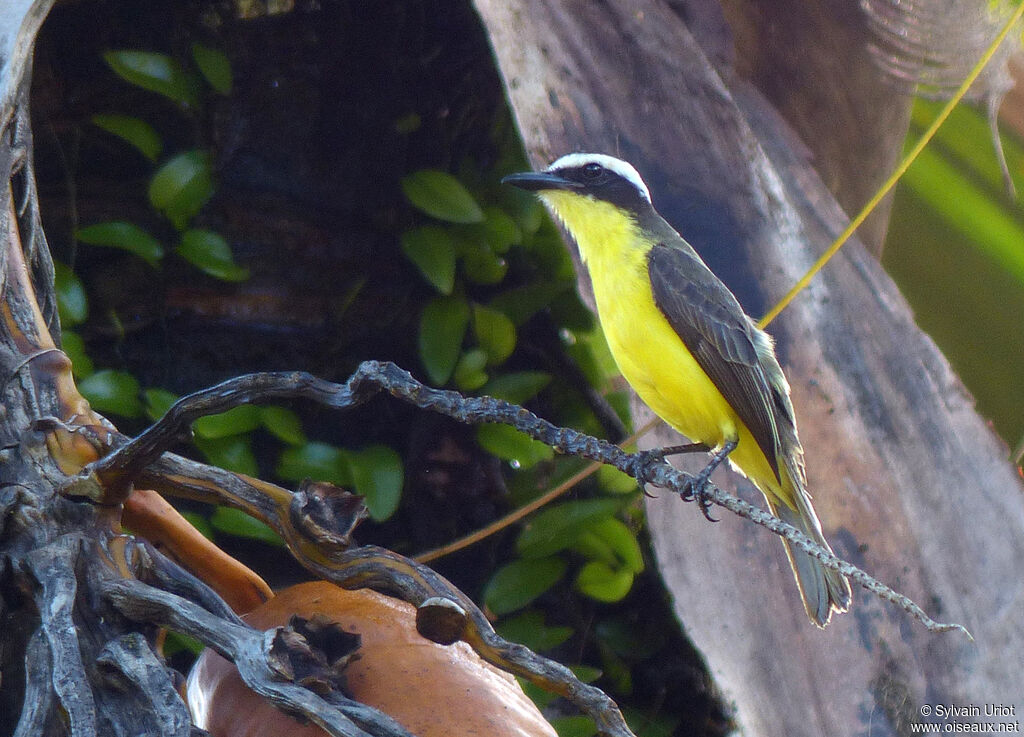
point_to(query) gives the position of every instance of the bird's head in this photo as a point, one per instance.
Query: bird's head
(599, 198)
(597, 176)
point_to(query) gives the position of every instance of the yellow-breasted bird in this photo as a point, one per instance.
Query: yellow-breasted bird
(685, 345)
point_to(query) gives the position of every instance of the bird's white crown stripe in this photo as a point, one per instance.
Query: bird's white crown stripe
(620, 167)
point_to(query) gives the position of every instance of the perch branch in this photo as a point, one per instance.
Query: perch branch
(371, 377)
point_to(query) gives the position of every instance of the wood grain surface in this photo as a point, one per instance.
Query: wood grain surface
(909, 481)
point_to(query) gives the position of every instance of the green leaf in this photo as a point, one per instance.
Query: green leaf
(211, 254)
(614, 481)
(591, 353)
(133, 131)
(442, 196)
(586, 673)
(442, 329)
(538, 695)
(201, 523)
(510, 445)
(181, 186)
(283, 424)
(660, 724)
(619, 402)
(557, 527)
(621, 636)
(113, 392)
(432, 249)
(515, 585)
(74, 347)
(317, 461)
(157, 402)
(616, 671)
(480, 265)
(235, 421)
(522, 303)
(378, 475)
(233, 453)
(571, 314)
(517, 387)
(175, 642)
(469, 371)
(574, 726)
(126, 236)
(592, 547)
(500, 230)
(72, 304)
(238, 523)
(213, 64)
(980, 217)
(613, 542)
(409, 123)
(492, 236)
(550, 256)
(528, 628)
(528, 213)
(154, 72)
(601, 582)
(495, 333)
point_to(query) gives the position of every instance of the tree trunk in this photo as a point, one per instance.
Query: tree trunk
(909, 482)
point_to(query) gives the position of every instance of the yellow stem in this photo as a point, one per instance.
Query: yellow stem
(898, 173)
(518, 514)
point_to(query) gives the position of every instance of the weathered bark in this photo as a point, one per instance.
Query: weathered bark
(76, 654)
(811, 61)
(908, 480)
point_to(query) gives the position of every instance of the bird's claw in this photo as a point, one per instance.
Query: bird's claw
(697, 491)
(643, 464)
(643, 460)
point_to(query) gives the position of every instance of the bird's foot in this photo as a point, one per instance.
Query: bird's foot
(645, 461)
(696, 489)
(643, 464)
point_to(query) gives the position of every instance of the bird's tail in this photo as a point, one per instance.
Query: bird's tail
(824, 590)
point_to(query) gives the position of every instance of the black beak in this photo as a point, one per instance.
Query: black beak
(536, 181)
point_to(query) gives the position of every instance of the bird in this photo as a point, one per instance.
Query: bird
(685, 345)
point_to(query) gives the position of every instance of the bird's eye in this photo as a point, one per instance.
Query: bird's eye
(592, 171)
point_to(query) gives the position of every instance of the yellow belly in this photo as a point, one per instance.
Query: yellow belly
(656, 363)
(648, 351)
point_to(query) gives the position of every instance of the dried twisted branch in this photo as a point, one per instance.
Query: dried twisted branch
(372, 377)
(324, 549)
(264, 659)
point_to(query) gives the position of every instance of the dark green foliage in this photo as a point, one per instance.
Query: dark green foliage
(371, 209)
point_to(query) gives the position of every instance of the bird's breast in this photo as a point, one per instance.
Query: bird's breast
(651, 355)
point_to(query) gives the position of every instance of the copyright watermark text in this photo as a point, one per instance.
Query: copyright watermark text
(967, 719)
